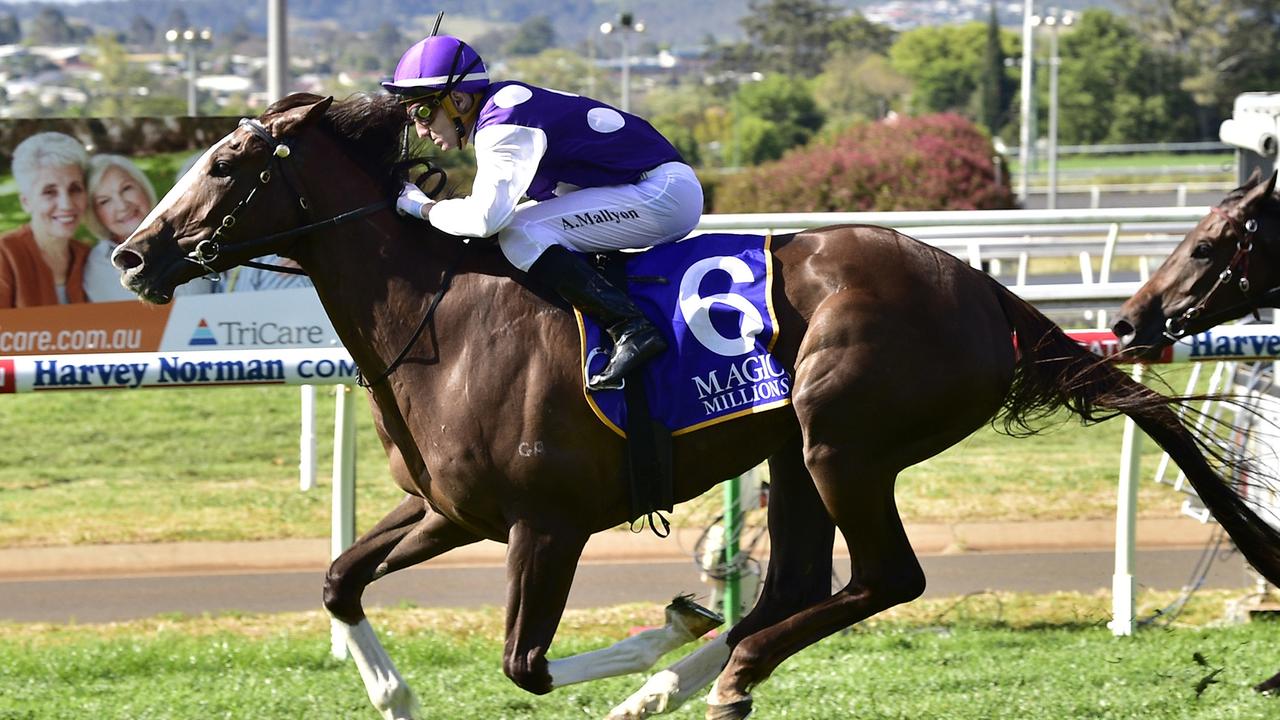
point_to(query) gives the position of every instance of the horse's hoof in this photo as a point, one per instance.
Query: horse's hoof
(1269, 685)
(692, 618)
(732, 711)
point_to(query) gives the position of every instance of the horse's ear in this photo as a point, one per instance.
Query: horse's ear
(289, 122)
(1255, 177)
(1260, 192)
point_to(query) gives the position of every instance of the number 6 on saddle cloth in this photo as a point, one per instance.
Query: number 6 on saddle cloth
(711, 297)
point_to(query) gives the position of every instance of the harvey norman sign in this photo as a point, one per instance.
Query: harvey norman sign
(314, 366)
(1225, 343)
(265, 337)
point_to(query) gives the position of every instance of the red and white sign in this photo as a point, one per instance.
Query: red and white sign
(7, 376)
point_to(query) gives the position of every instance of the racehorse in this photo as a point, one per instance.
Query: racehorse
(1225, 268)
(896, 350)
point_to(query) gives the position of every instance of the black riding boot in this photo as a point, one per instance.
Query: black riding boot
(635, 339)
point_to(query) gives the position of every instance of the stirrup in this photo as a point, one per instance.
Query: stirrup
(629, 354)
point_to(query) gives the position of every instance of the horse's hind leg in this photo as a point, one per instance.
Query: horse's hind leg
(410, 534)
(884, 573)
(801, 536)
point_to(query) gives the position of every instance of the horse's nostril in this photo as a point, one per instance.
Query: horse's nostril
(1122, 329)
(125, 259)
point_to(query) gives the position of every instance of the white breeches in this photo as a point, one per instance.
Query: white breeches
(662, 207)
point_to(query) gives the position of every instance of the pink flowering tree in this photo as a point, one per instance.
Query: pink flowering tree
(935, 162)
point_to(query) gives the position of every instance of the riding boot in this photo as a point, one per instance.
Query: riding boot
(635, 339)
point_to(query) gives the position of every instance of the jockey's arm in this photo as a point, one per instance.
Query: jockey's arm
(507, 158)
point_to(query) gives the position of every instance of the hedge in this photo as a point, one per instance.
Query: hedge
(933, 162)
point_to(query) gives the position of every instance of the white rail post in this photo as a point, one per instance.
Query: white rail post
(343, 518)
(1122, 582)
(307, 440)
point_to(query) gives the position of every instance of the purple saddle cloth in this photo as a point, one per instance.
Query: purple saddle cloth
(711, 296)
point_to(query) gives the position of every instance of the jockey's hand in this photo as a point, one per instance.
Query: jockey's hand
(413, 202)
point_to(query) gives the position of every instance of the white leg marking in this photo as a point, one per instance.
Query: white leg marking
(634, 654)
(387, 689)
(669, 689)
(685, 623)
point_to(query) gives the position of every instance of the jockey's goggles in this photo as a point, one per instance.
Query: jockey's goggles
(424, 107)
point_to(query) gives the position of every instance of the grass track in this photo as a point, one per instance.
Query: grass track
(930, 660)
(196, 464)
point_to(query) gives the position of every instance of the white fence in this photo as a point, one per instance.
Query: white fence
(980, 237)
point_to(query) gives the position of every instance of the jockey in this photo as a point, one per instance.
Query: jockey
(602, 180)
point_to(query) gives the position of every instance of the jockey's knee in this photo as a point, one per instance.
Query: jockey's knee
(522, 247)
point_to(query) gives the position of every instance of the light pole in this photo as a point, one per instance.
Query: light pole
(1053, 20)
(1026, 131)
(190, 38)
(277, 49)
(626, 25)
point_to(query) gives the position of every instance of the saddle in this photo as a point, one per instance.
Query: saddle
(711, 296)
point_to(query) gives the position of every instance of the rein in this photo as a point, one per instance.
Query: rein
(1175, 328)
(206, 251)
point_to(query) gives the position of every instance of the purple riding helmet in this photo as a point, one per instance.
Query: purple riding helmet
(438, 63)
(433, 68)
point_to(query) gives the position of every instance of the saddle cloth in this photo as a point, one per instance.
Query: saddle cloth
(711, 297)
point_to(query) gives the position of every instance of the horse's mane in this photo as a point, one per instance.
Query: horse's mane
(370, 126)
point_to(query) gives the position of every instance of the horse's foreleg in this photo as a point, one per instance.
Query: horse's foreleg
(671, 688)
(540, 568)
(686, 621)
(801, 536)
(410, 534)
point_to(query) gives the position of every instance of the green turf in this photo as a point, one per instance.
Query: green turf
(935, 665)
(197, 464)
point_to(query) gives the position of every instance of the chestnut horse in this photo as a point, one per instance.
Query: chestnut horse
(1227, 267)
(897, 351)
(1224, 269)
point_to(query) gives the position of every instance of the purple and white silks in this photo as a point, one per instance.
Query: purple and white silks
(589, 143)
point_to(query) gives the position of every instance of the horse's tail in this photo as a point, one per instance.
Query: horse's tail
(1053, 371)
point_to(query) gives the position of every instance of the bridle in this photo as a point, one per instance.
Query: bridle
(208, 250)
(1238, 267)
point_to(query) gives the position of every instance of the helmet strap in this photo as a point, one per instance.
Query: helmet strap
(461, 120)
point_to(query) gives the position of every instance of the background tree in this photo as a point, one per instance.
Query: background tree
(1227, 47)
(691, 118)
(10, 30)
(386, 44)
(796, 37)
(50, 27)
(532, 36)
(1114, 87)
(141, 32)
(782, 113)
(997, 87)
(561, 70)
(115, 94)
(857, 86)
(945, 64)
(791, 36)
(176, 19)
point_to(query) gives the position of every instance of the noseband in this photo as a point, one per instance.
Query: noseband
(206, 251)
(1175, 328)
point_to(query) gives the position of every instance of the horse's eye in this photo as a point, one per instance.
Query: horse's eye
(1202, 251)
(221, 168)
